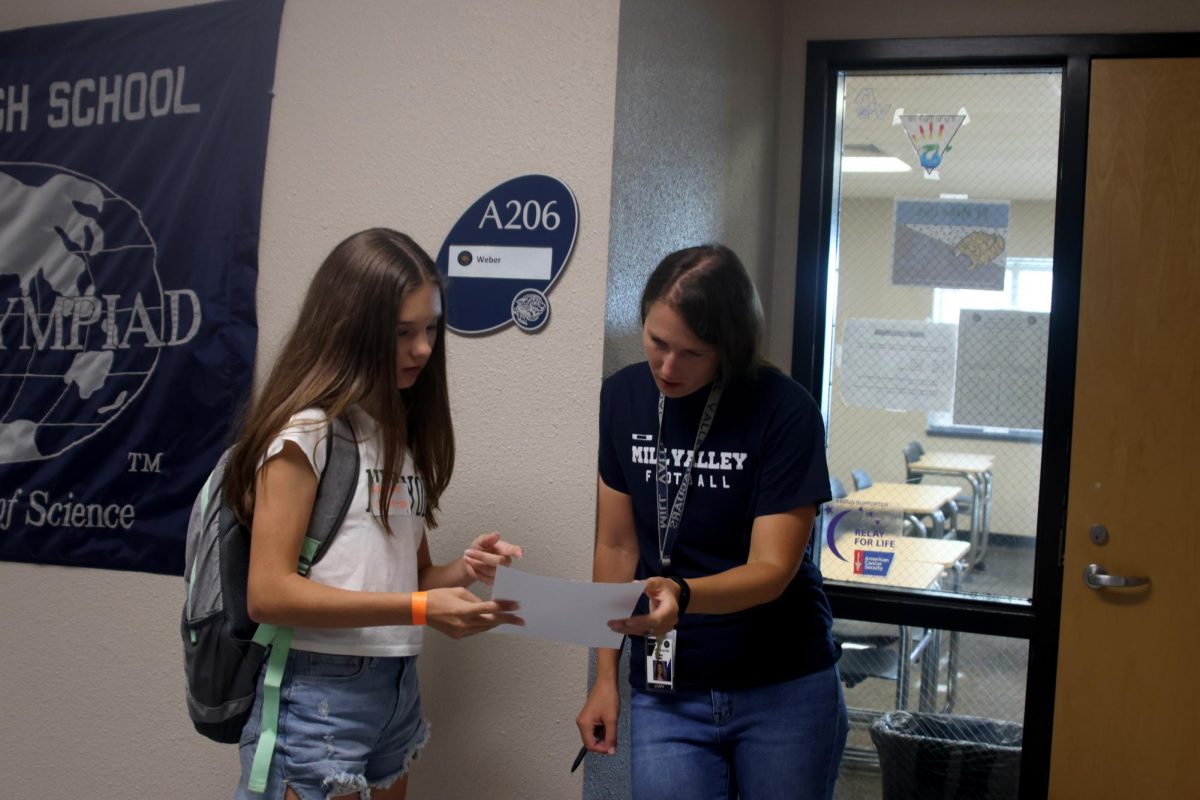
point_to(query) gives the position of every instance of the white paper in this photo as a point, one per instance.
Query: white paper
(906, 365)
(560, 610)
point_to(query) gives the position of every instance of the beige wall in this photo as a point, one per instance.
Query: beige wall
(399, 114)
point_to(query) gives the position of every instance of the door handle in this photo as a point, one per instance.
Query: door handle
(1096, 578)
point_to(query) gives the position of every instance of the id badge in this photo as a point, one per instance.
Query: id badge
(660, 663)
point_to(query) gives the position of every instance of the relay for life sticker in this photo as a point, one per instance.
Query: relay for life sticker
(503, 255)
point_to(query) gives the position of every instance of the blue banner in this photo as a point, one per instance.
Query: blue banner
(950, 244)
(132, 152)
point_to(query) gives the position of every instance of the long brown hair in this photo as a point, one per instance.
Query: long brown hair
(342, 351)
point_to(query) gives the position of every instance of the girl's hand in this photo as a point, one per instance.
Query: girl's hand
(664, 611)
(458, 613)
(486, 553)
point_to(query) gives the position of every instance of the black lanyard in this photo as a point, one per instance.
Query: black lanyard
(668, 524)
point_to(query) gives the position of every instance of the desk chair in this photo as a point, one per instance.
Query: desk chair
(836, 489)
(869, 651)
(912, 454)
(861, 479)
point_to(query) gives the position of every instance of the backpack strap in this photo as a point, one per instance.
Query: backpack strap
(280, 640)
(335, 492)
(210, 496)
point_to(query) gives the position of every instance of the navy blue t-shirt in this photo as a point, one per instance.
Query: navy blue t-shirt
(765, 454)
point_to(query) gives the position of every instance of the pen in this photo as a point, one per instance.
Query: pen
(598, 735)
(579, 758)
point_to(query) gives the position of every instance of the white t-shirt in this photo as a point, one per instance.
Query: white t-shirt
(363, 556)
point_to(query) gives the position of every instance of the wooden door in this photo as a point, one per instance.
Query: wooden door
(1127, 713)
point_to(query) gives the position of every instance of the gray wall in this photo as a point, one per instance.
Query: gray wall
(694, 145)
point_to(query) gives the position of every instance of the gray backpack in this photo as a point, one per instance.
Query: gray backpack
(223, 649)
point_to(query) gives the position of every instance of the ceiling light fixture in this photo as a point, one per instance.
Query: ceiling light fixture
(869, 158)
(874, 164)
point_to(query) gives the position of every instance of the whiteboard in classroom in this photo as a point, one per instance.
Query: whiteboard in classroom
(1000, 375)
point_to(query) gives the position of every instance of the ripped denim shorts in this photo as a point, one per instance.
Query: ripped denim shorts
(346, 724)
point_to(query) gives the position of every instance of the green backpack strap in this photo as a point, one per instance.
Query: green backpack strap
(308, 552)
(335, 491)
(280, 642)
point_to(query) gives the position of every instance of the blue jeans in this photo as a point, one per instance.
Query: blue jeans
(782, 741)
(346, 724)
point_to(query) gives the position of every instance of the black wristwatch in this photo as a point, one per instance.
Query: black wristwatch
(685, 593)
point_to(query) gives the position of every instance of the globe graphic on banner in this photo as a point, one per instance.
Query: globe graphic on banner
(81, 309)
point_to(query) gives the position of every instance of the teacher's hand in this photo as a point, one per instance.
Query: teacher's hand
(597, 722)
(664, 611)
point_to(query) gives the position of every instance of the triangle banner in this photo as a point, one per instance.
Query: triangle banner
(930, 135)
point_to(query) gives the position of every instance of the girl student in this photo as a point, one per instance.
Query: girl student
(712, 466)
(369, 346)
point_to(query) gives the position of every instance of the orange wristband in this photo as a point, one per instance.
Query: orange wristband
(418, 608)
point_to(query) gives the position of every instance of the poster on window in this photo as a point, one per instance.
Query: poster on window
(132, 152)
(1000, 375)
(951, 244)
(899, 365)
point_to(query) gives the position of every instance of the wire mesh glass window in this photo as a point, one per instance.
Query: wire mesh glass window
(937, 328)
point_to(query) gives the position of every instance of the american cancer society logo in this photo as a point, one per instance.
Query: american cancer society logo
(877, 563)
(83, 313)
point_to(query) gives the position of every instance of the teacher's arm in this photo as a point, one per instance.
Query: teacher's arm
(615, 561)
(616, 555)
(777, 544)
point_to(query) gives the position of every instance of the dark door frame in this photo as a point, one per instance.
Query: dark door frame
(1037, 621)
